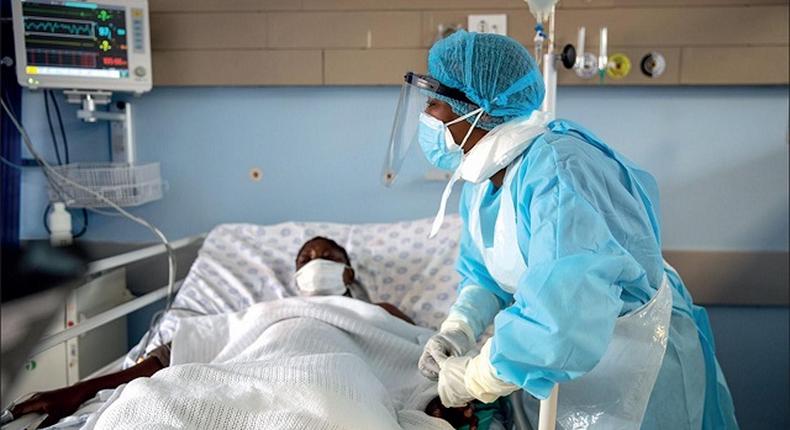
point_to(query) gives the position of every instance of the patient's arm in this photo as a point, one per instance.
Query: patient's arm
(395, 312)
(65, 401)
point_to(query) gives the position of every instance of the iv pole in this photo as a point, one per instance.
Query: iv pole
(547, 416)
(571, 57)
(550, 70)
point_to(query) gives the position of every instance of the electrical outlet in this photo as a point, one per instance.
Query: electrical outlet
(496, 24)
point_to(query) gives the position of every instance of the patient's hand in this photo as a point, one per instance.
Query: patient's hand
(57, 403)
(65, 401)
(457, 417)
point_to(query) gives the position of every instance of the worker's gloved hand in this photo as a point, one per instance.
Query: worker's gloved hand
(453, 340)
(462, 379)
(452, 388)
(480, 379)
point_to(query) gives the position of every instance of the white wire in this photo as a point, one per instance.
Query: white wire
(101, 212)
(48, 170)
(156, 320)
(59, 192)
(11, 163)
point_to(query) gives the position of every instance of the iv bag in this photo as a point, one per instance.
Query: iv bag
(541, 8)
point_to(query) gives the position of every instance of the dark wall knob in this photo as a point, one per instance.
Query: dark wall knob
(568, 56)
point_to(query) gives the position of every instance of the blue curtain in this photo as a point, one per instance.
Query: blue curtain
(10, 147)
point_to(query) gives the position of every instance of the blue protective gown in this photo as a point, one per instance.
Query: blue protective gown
(588, 229)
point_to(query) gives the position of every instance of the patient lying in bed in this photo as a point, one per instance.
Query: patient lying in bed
(322, 248)
(297, 363)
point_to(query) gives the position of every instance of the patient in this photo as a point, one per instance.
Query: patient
(322, 268)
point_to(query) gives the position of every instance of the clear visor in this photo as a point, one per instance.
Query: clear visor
(413, 101)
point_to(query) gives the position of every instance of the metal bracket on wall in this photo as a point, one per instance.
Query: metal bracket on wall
(119, 114)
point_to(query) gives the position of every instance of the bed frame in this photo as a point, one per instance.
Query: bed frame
(548, 408)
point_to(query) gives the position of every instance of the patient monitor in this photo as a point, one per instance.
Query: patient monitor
(89, 50)
(83, 45)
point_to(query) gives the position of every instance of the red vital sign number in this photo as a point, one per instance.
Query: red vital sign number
(113, 61)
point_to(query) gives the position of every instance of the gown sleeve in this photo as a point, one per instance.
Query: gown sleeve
(479, 296)
(567, 301)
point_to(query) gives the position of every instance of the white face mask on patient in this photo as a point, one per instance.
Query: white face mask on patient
(321, 277)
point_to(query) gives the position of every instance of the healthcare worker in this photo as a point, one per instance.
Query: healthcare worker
(560, 249)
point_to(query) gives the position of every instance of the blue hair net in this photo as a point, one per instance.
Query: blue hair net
(495, 72)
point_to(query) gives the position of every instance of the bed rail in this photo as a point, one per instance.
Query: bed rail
(102, 318)
(111, 263)
(130, 257)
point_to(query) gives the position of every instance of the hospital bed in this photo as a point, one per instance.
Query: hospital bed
(242, 264)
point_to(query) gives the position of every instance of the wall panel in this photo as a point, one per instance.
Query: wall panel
(408, 4)
(208, 30)
(344, 30)
(734, 278)
(706, 42)
(372, 66)
(237, 67)
(368, 5)
(666, 27)
(680, 26)
(679, 3)
(222, 5)
(746, 65)
(520, 23)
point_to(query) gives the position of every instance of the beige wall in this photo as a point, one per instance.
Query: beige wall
(373, 42)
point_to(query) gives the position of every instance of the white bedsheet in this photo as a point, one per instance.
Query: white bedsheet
(319, 363)
(242, 264)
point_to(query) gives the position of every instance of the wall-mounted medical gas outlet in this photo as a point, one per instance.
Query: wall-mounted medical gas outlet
(619, 66)
(496, 24)
(653, 64)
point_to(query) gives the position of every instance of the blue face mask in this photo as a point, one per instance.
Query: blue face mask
(432, 135)
(437, 142)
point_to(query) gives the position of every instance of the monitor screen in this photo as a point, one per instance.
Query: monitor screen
(69, 38)
(83, 44)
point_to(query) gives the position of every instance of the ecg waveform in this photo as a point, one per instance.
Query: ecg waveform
(60, 28)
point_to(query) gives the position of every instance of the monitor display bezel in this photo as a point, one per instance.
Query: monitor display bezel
(132, 83)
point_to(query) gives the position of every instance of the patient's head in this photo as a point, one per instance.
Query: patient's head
(323, 268)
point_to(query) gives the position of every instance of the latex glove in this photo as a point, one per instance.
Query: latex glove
(463, 379)
(453, 340)
(480, 378)
(452, 388)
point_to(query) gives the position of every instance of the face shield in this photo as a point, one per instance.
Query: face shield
(417, 90)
